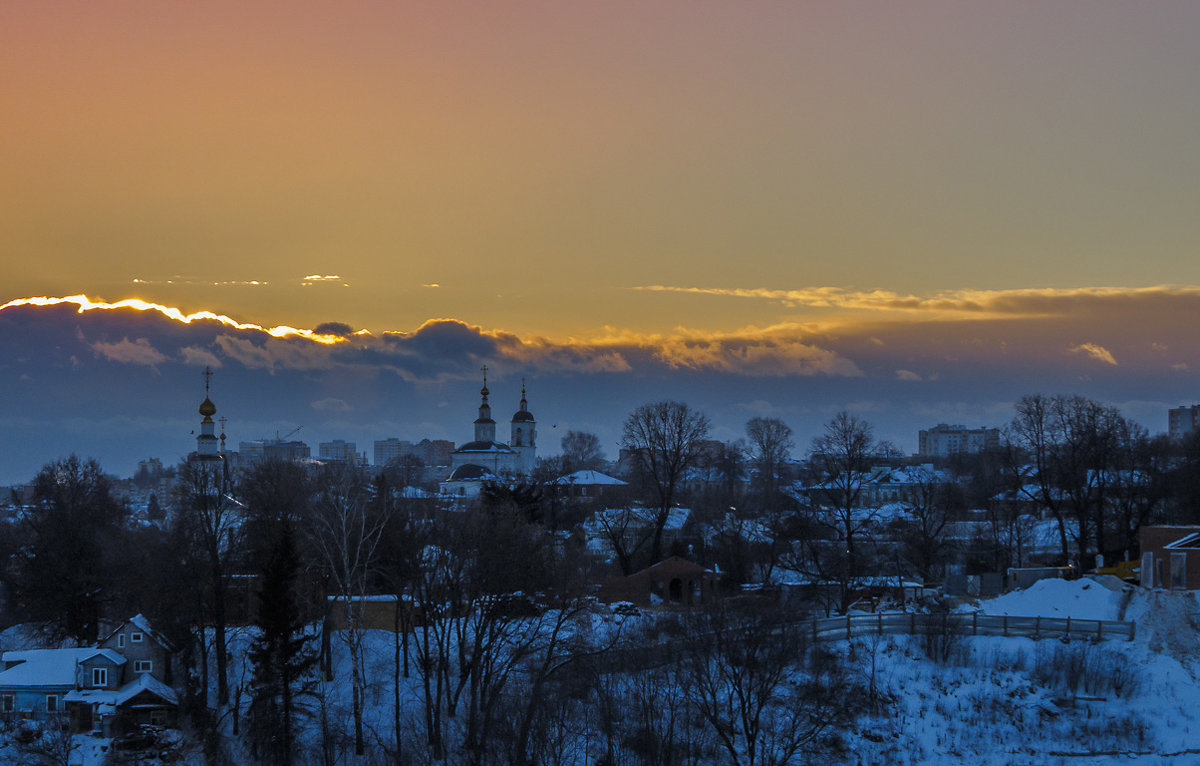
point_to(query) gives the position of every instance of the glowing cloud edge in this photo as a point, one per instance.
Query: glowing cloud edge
(87, 304)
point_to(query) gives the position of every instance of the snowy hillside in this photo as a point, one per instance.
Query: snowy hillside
(1019, 701)
(989, 701)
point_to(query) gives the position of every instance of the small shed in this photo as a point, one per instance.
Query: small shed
(143, 701)
(674, 580)
(1172, 554)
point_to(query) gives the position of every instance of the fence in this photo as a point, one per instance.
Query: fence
(973, 624)
(896, 623)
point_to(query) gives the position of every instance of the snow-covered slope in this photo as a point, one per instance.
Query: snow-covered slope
(1078, 599)
(1020, 701)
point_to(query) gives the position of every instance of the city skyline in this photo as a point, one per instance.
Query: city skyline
(122, 383)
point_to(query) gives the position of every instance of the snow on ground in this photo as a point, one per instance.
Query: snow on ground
(1084, 599)
(997, 701)
(1002, 701)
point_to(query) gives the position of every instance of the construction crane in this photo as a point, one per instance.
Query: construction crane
(288, 435)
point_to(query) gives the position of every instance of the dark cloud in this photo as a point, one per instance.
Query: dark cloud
(450, 338)
(340, 329)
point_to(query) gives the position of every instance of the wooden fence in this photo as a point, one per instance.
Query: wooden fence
(973, 624)
(895, 623)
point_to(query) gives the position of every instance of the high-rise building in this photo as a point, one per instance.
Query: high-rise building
(944, 440)
(338, 449)
(273, 449)
(1182, 422)
(431, 452)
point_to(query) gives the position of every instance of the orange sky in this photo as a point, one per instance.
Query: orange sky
(538, 161)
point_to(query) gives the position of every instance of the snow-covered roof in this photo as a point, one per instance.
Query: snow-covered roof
(470, 472)
(140, 622)
(590, 478)
(483, 446)
(750, 530)
(49, 667)
(1187, 541)
(905, 475)
(781, 576)
(144, 682)
(677, 518)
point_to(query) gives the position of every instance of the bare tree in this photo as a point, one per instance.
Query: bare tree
(1033, 436)
(581, 451)
(208, 514)
(624, 529)
(923, 533)
(405, 471)
(1144, 464)
(841, 459)
(770, 447)
(720, 472)
(1075, 448)
(744, 676)
(347, 535)
(51, 745)
(664, 439)
(480, 634)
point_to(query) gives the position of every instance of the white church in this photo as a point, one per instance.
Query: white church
(485, 459)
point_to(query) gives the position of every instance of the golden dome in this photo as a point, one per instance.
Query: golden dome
(207, 408)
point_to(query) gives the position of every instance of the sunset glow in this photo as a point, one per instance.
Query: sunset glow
(86, 304)
(917, 211)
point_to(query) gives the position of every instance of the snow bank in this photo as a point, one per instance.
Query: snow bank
(1077, 599)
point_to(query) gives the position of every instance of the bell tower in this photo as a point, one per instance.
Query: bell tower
(524, 435)
(485, 427)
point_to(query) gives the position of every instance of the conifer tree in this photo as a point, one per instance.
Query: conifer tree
(282, 656)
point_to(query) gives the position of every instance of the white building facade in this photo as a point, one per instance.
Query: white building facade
(944, 440)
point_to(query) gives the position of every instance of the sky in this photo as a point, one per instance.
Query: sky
(726, 194)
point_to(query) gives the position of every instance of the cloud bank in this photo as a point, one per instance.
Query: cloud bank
(65, 359)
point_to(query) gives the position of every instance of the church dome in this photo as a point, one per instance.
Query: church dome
(469, 472)
(207, 408)
(523, 415)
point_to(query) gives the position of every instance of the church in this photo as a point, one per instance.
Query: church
(484, 458)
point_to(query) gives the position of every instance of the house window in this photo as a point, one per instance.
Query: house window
(143, 666)
(51, 703)
(158, 717)
(8, 703)
(121, 641)
(99, 676)
(136, 638)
